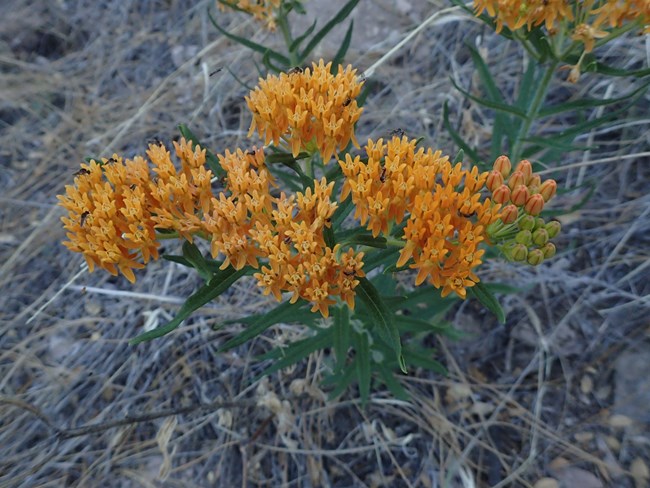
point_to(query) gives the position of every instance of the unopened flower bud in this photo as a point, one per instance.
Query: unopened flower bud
(517, 178)
(535, 257)
(494, 180)
(503, 165)
(526, 168)
(539, 223)
(509, 214)
(553, 228)
(534, 205)
(535, 181)
(519, 253)
(520, 195)
(527, 222)
(524, 237)
(501, 195)
(548, 189)
(540, 237)
(548, 250)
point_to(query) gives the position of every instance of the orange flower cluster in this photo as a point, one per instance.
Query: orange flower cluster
(109, 215)
(517, 13)
(309, 109)
(447, 218)
(299, 261)
(592, 15)
(262, 10)
(115, 206)
(384, 188)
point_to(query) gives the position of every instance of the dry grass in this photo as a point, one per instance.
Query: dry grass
(82, 78)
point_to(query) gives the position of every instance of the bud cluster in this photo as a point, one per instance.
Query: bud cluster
(519, 189)
(521, 234)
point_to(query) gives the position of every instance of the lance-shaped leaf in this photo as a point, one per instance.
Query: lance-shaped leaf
(382, 317)
(483, 294)
(337, 19)
(362, 364)
(219, 283)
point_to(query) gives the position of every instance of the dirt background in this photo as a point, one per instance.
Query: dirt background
(558, 396)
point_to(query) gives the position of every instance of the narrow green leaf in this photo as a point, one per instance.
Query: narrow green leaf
(487, 298)
(219, 283)
(211, 160)
(295, 45)
(392, 383)
(343, 49)
(498, 106)
(342, 212)
(286, 312)
(381, 316)
(334, 21)
(250, 44)
(192, 253)
(341, 380)
(362, 364)
(296, 351)
(341, 334)
(586, 103)
(460, 142)
(525, 98)
(421, 359)
(367, 240)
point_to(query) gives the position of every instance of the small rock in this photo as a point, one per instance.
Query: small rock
(618, 421)
(546, 483)
(640, 473)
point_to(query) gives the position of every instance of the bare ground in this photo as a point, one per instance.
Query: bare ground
(560, 391)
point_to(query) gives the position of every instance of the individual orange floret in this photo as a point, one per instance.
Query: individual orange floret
(262, 10)
(109, 215)
(308, 110)
(445, 228)
(383, 188)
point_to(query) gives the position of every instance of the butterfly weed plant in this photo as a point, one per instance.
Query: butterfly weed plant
(327, 224)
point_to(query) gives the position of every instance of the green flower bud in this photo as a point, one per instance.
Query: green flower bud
(519, 253)
(527, 222)
(540, 237)
(535, 257)
(548, 250)
(553, 228)
(539, 223)
(524, 237)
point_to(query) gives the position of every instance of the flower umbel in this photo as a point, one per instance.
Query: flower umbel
(109, 216)
(308, 110)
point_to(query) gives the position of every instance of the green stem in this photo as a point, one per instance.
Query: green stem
(391, 241)
(283, 23)
(533, 111)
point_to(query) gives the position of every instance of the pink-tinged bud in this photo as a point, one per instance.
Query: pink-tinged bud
(501, 195)
(524, 237)
(534, 205)
(519, 253)
(540, 237)
(535, 257)
(494, 180)
(520, 195)
(503, 165)
(548, 250)
(526, 168)
(553, 228)
(548, 189)
(509, 214)
(517, 178)
(527, 222)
